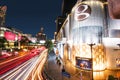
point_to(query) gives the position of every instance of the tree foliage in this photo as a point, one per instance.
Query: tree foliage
(49, 45)
(2, 41)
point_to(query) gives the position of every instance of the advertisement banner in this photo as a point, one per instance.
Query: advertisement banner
(84, 63)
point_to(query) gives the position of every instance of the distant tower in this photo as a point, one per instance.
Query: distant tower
(41, 30)
(41, 35)
(2, 15)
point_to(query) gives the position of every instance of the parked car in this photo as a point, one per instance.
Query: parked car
(15, 53)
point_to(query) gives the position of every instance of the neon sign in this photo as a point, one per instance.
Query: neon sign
(82, 12)
(10, 36)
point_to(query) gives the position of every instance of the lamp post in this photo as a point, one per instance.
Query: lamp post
(91, 45)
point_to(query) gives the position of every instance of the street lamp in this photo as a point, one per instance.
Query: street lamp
(91, 45)
(63, 43)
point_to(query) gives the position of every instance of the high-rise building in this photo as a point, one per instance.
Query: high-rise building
(59, 22)
(41, 35)
(66, 9)
(67, 5)
(2, 15)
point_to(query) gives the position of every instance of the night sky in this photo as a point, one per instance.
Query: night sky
(30, 15)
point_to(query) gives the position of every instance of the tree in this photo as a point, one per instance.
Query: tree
(2, 41)
(111, 77)
(49, 45)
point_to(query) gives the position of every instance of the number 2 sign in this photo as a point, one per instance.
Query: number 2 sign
(82, 12)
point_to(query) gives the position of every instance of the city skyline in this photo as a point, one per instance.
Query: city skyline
(30, 16)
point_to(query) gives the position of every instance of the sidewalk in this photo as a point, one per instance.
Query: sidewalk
(54, 70)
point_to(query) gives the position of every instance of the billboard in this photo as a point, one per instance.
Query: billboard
(10, 36)
(117, 62)
(84, 63)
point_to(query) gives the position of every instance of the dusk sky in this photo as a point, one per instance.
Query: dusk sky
(30, 15)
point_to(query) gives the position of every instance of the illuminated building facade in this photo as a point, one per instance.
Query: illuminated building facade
(12, 37)
(89, 25)
(90, 35)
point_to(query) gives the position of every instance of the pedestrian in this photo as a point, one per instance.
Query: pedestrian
(63, 69)
(81, 76)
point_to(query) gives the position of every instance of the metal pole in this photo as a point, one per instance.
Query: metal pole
(91, 45)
